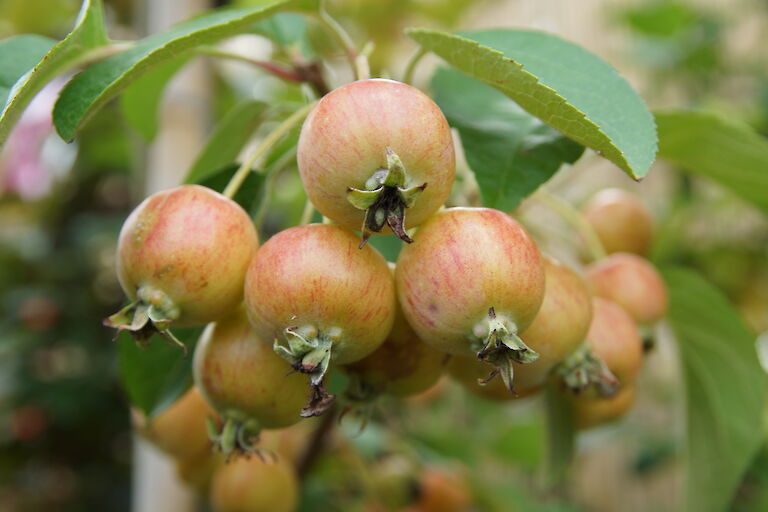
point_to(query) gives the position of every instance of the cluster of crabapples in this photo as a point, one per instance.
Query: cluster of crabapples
(470, 294)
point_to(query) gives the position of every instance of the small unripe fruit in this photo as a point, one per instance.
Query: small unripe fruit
(182, 257)
(595, 411)
(611, 357)
(351, 140)
(312, 289)
(246, 382)
(180, 429)
(631, 282)
(402, 366)
(614, 338)
(197, 473)
(255, 485)
(470, 283)
(560, 325)
(621, 221)
(442, 491)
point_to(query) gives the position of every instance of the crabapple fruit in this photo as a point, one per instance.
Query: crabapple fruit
(402, 366)
(380, 146)
(621, 221)
(246, 382)
(254, 484)
(181, 259)
(612, 354)
(180, 429)
(559, 327)
(471, 283)
(592, 411)
(312, 289)
(631, 282)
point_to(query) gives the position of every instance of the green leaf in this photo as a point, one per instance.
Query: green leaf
(227, 140)
(18, 55)
(141, 100)
(510, 152)
(562, 84)
(388, 245)
(88, 34)
(286, 29)
(96, 85)
(248, 195)
(154, 377)
(725, 151)
(725, 389)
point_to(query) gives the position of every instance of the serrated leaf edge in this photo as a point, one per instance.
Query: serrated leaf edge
(624, 164)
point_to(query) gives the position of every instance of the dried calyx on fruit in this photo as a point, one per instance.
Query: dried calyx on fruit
(321, 299)
(181, 260)
(246, 382)
(611, 356)
(470, 284)
(472, 374)
(380, 146)
(385, 199)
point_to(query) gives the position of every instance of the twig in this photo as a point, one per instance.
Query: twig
(239, 177)
(316, 443)
(411, 67)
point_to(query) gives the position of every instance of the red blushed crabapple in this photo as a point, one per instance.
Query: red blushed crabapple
(249, 385)
(612, 355)
(181, 259)
(592, 412)
(633, 283)
(311, 290)
(621, 221)
(402, 366)
(470, 283)
(560, 325)
(254, 484)
(558, 329)
(372, 150)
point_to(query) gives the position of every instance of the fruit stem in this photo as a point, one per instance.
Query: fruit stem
(342, 37)
(583, 368)
(287, 74)
(411, 67)
(269, 185)
(309, 351)
(270, 140)
(316, 444)
(502, 347)
(306, 215)
(574, 217)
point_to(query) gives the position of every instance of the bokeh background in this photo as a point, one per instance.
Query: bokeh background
(65, 432)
